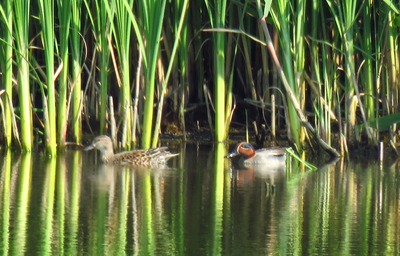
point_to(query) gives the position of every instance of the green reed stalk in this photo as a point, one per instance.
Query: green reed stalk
(153, 15)
(179, 31)
(103, 32)
(181, 8)
(64, 15)
(21, 36)
(217, 14)
(378, 39)
(323, 72)
(122, 37)
(76, 70)
(125, 100)
(120, 12)
(289, 91)
(281, 16)
(315, 66)
(349, 9)
(393, 65)
(100, 21)
(386, 66)
(321, 81)
(344, 16)
(368, 71)
(299, 58)
(330, 83)
(6, 52)
(46, 14)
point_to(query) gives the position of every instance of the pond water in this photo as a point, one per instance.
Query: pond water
(200, 205)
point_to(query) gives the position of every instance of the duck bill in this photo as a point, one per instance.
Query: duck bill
(232, 154)
(87, 148)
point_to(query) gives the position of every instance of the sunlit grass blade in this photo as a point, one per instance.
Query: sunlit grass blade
(368, 73)
(46, 14)
(6, 68)
(21, 37)
(281, 16)
(102, 34)
(76, 70)
(183, 61)
(290, 93)
(64, 15)
(217, 14)
(394, 62)
(344, 16)
(120, 12)
(179, 29)
(153, 17)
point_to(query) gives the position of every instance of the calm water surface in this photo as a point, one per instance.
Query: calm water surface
(73, 205)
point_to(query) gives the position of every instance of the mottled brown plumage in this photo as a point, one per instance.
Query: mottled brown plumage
(143, 157)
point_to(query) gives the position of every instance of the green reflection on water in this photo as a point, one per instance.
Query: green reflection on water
(71, 195)
(60, 201)
(217, 200)
(22, 197)
(146, 233)
(47, 207)
(73, 205)
(5, 201)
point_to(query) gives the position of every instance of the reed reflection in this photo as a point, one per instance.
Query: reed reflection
(22, 199)
(47, 207)
(131, 204)
(217, 199)
(72, 205)
(69, 194)
(258, 192)
(5, 191)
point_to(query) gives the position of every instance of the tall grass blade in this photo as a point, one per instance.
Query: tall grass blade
(6, 52)
(281, 16)
(102, 29)
(21, 37)
(181, 24)
(76, 70)
(64, 15)
(217, 14)
(46, 14)
(153, 19)
(120, 13)
(290, 92)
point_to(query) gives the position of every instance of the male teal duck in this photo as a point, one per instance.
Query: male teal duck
(144, 157)
(272, 158)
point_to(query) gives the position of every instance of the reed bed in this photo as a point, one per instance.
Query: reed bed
(184, 67)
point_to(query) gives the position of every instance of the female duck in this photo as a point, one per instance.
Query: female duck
(271, 158)
(145, 157)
